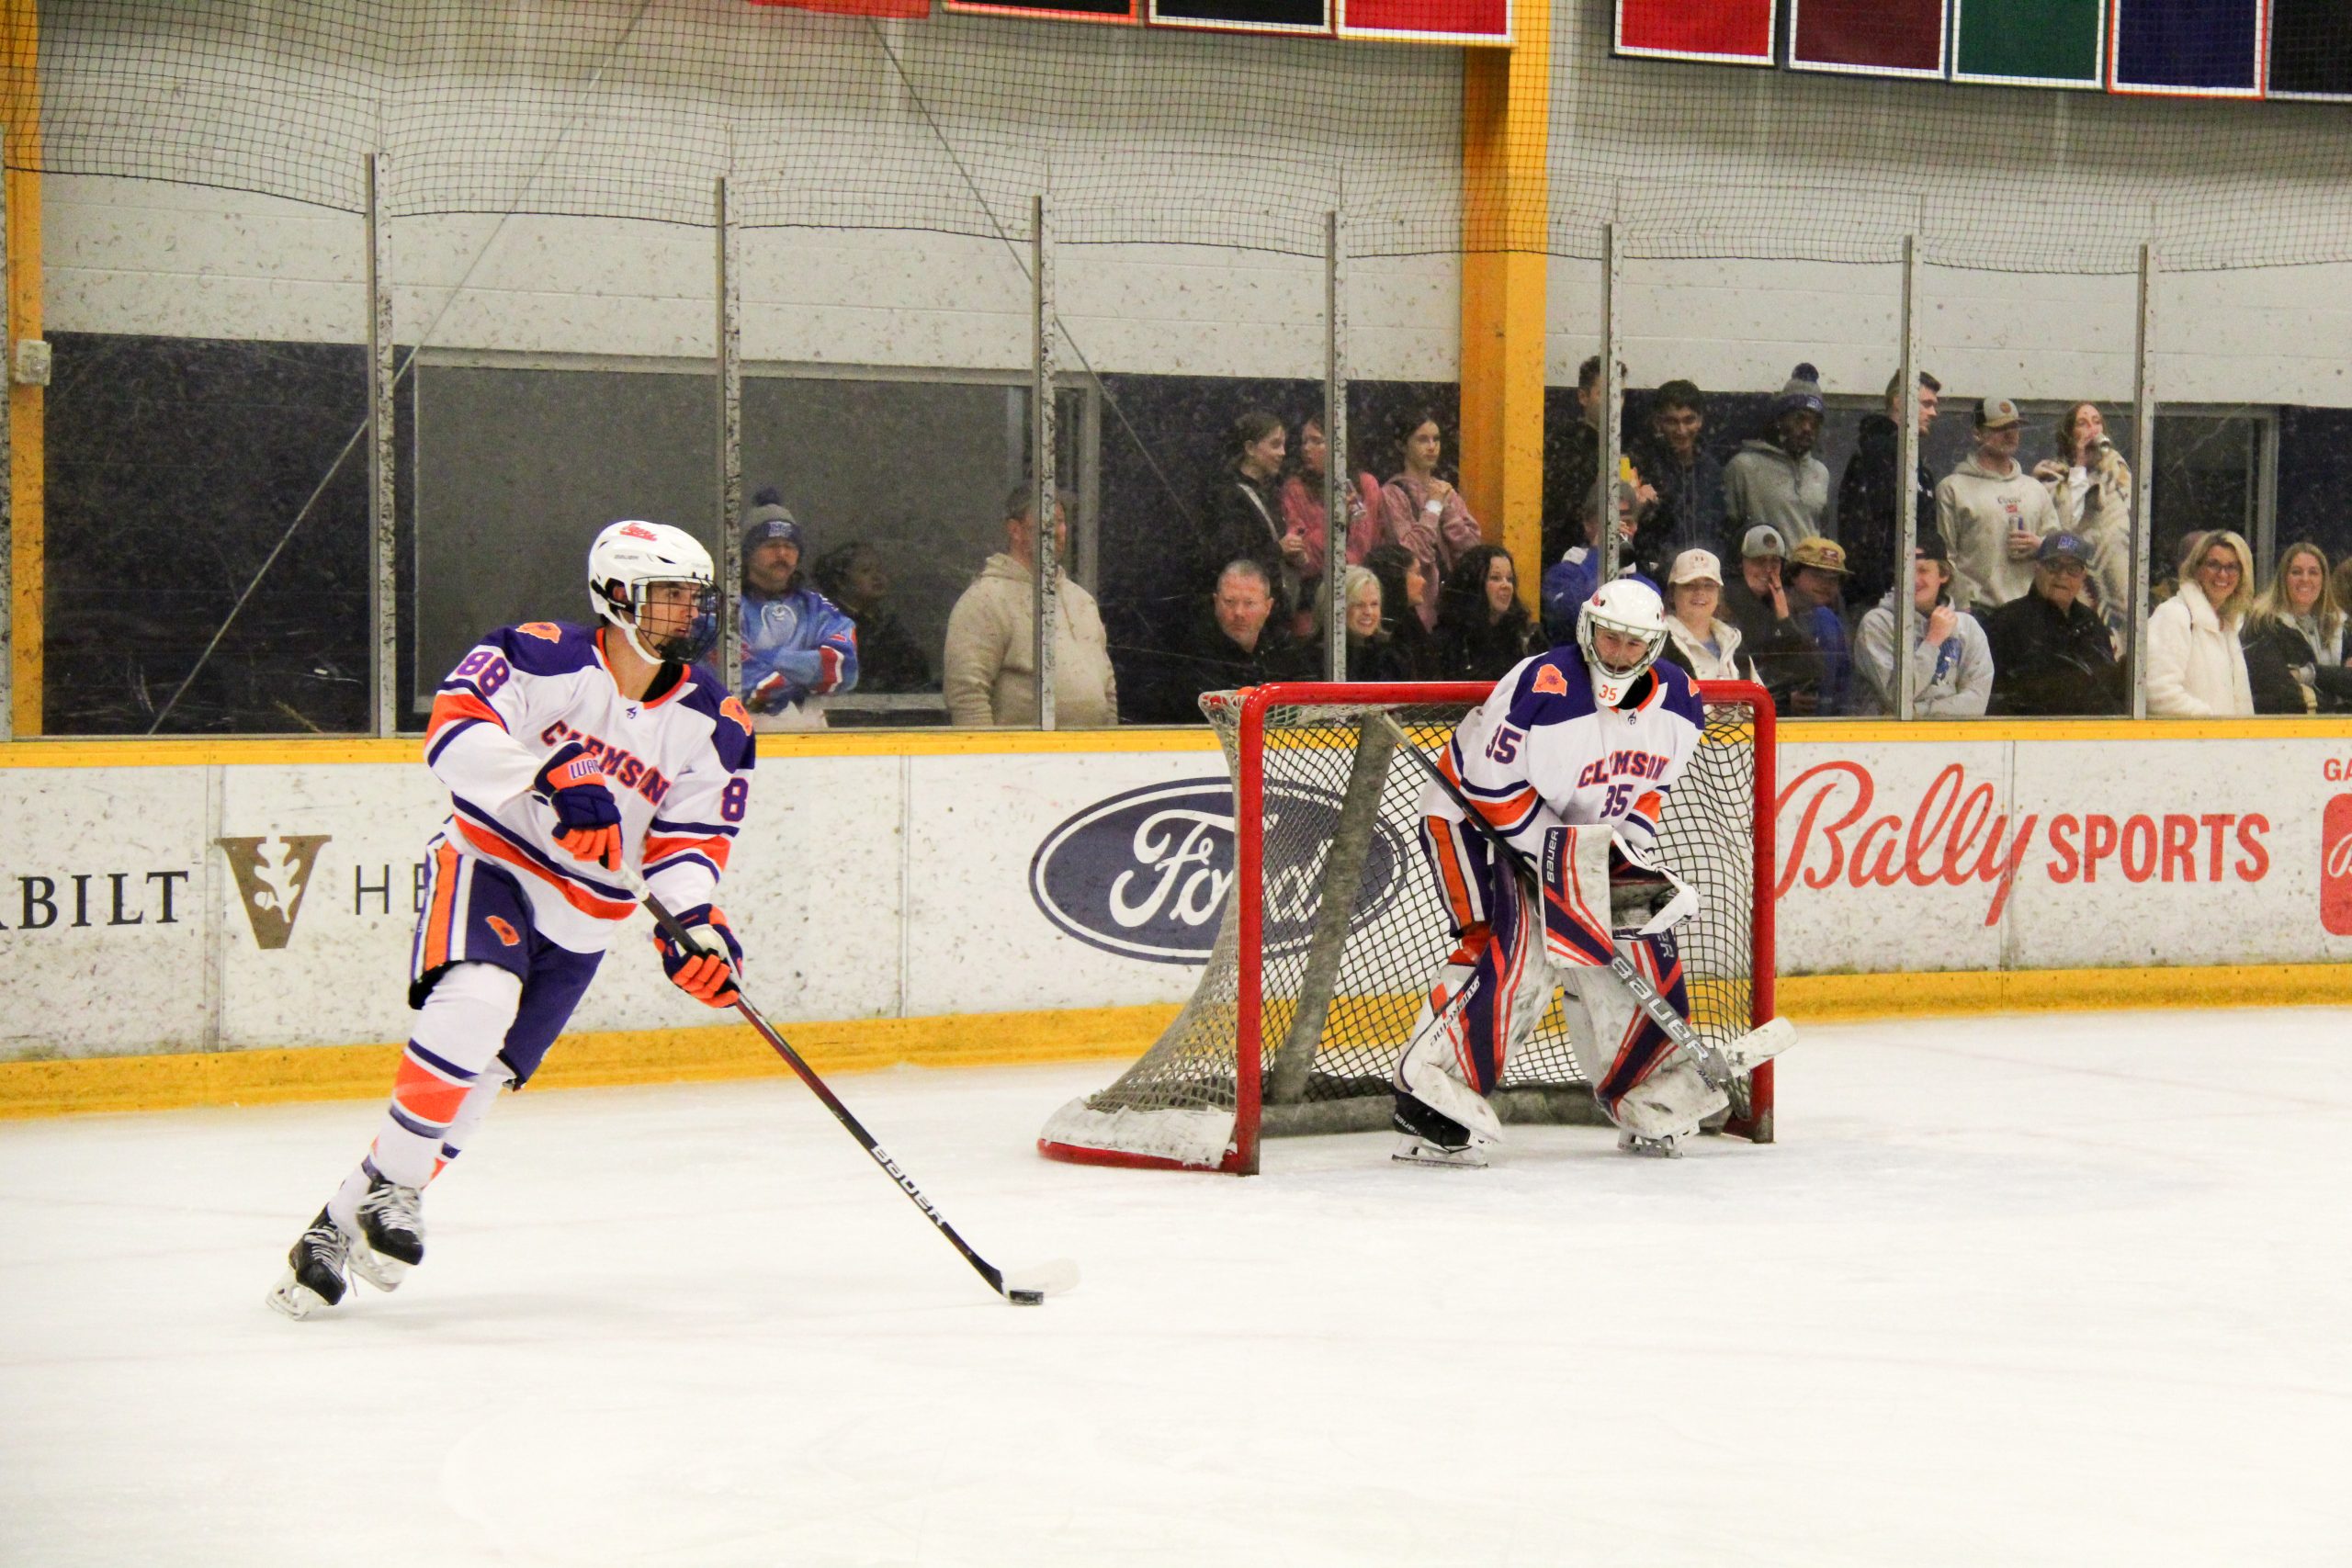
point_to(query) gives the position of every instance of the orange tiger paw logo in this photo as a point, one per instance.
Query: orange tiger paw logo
(546, 631)
(1549, 679)
(505, 933)
(734, 710)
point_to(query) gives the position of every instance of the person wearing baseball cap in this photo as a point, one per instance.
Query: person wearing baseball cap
(1951, 666)
(1993, 514)
(1775, 478)
(1756, 603)
(2051, 653)
(1695, 638)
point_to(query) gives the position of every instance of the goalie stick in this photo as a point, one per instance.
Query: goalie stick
(1724, 1068)
(1029, 1288)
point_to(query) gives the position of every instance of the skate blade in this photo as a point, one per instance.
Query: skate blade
(1650, 1148)
(294, 1299)
(384, 1273)
(1429, 1155)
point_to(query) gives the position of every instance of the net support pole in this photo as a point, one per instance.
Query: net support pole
(383, 593)
(728, 293)
(1048, 546)
(1338, 480)
(2144, 495)
(1336, 889)
(1612, 396)
(1906, 484)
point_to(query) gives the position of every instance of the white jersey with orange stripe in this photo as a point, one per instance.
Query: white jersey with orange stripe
(1541, 752)
(678, 763)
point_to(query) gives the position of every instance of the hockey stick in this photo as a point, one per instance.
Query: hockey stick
(1034, 1285)
(1722, 1070)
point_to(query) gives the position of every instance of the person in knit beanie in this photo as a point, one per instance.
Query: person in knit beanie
(1775, 478)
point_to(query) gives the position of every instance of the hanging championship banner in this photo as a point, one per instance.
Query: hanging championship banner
(1872, 38)
(2200, 49)
(1053, 10)
(2310, 50)
(2030, 43)
(1245, 15)
(1472, 22)
(1734, 32)
(903, 9)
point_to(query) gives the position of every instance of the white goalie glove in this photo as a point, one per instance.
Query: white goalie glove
(1645, 898)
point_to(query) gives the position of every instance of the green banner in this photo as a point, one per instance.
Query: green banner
(2047, 43)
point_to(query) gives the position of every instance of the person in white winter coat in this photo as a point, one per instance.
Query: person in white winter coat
(2195, 666)
(1993, 514)
(1695, 638)
(1952, 663)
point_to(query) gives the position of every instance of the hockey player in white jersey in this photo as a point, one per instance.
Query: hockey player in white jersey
(571, 752)
(1570, 759)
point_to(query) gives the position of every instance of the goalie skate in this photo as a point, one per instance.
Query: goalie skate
(1430, 1137)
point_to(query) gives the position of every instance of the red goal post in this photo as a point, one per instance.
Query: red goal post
(1302, 1008)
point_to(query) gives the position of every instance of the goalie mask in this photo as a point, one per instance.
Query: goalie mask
(629, 563)
(1629, 608)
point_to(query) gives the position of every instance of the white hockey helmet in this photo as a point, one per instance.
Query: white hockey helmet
(629, 558)
(1631, 608)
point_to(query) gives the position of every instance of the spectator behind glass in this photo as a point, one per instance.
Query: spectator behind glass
(990, 662)
(2195, 666)
(2294, 639)
(1571, 468)
(1705, 645)
(889, 658)
(1372, 652)
(1993, 514)
(1237, 642)
(1575, 576)
(1482, 628)
(1817, 589)
(1305, 518)
(1687, 478)
(1952, 664)
(1401, 586)
(1776, 478)
(2051, 653)
(1870, 502)
(2340, 584)
(797, 646)
(1757, 603)
(1243, 511)
(2090, 493)
(1423, 513)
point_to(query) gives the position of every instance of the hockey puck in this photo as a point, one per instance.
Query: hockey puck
(1025, 1298)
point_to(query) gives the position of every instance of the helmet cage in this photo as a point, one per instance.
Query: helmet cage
(622, 602)
(1611, 685)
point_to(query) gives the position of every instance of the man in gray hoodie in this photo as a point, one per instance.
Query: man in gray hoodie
(1993, 514)
(1776, 479)
(991, 662)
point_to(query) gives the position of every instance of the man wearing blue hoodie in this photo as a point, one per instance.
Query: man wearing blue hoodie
(797, 645)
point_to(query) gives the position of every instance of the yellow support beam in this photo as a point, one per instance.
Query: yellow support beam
(20, 128)
(1506, 132)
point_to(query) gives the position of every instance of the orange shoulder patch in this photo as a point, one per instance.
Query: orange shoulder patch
(733, 708)
(1549, 679)
(506, 932)
(546, 631)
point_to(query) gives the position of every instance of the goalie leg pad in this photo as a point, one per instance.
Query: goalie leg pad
(1619, 1048)
(1473, 1014)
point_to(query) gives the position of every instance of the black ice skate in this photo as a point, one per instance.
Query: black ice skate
(1432, 1137)
(314, 1269)
(391, 1234)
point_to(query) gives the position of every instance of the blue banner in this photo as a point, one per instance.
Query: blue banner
(2196, 48)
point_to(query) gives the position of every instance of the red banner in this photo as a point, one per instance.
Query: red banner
(1879, 37)
(1736, 30)
(1448, 21)
(899, 8)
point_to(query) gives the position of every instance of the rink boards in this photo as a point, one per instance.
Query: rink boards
(218, 903)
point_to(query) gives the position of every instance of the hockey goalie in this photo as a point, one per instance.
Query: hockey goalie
(1568, 765)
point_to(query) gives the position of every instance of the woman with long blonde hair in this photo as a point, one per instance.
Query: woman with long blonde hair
(2294, 638)
(2194, 662)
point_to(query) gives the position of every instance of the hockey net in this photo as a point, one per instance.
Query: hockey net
(1332, 929)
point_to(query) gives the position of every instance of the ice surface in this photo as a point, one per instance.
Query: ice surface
(2010, 1290)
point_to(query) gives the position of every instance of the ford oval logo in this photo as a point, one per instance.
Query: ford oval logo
(1146, 874)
